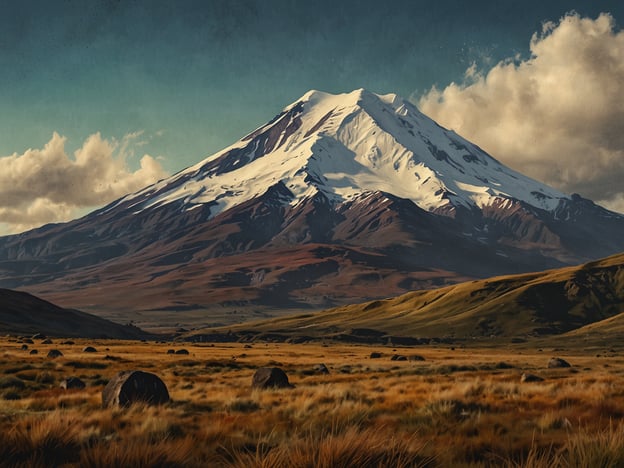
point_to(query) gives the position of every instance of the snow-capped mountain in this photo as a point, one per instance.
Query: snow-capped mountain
(343, 146)
(338, 198)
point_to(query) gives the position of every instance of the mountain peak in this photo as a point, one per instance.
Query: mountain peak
(343, 145)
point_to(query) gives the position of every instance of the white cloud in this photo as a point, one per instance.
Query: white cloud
(46, 185)
(557, 116)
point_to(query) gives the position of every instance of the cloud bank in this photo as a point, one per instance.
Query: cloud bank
(557, 116)
(46, 185)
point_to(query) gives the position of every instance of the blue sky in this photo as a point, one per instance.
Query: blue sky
(194, 76)
(204, 73)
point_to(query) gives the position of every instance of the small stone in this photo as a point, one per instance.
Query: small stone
(398, 357)
(556, 362)
(530, 378)
(321, 369)
(72, 382)
(54, 353)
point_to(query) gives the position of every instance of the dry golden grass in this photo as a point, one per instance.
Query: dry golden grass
(458, 407)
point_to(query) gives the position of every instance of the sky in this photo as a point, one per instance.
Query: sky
(100, 98)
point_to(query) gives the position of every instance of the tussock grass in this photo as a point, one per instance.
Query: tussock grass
(462, 407)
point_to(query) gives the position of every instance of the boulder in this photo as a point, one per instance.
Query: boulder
(89, 349)
(270, 377)
(54, 353)
(182, 351)
(34, 351)
(47, 341)
(530, 378)
(72, 382)
(134, 386)
(24, 347)
(171, 351)
(375, 355)
(68, 342)
(28, 340)
(556, 362)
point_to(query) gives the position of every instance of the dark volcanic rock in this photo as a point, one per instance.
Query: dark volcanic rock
(171, 351)
(375, 355)
(54, 353)
(72, 382)
(398, 357)
(270, 377)
(24, 347)
(530, 378)
(182, 351)
(134, 386)
(89, 349)
(556, 362)
(34, 351)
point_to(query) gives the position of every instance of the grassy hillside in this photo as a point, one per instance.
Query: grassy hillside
(23, 313)
(535, 304)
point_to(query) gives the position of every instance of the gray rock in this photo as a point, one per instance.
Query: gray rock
(556, 362)
(134, 386)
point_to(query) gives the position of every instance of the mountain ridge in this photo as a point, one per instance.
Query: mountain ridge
(23, 313)
(579, 302)
(339, 198)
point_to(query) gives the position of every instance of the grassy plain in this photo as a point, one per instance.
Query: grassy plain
(462, 407)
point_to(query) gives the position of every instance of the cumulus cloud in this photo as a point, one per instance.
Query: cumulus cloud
(557, 116)
(47, 185)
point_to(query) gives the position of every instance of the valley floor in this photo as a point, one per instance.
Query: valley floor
(442, 407)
